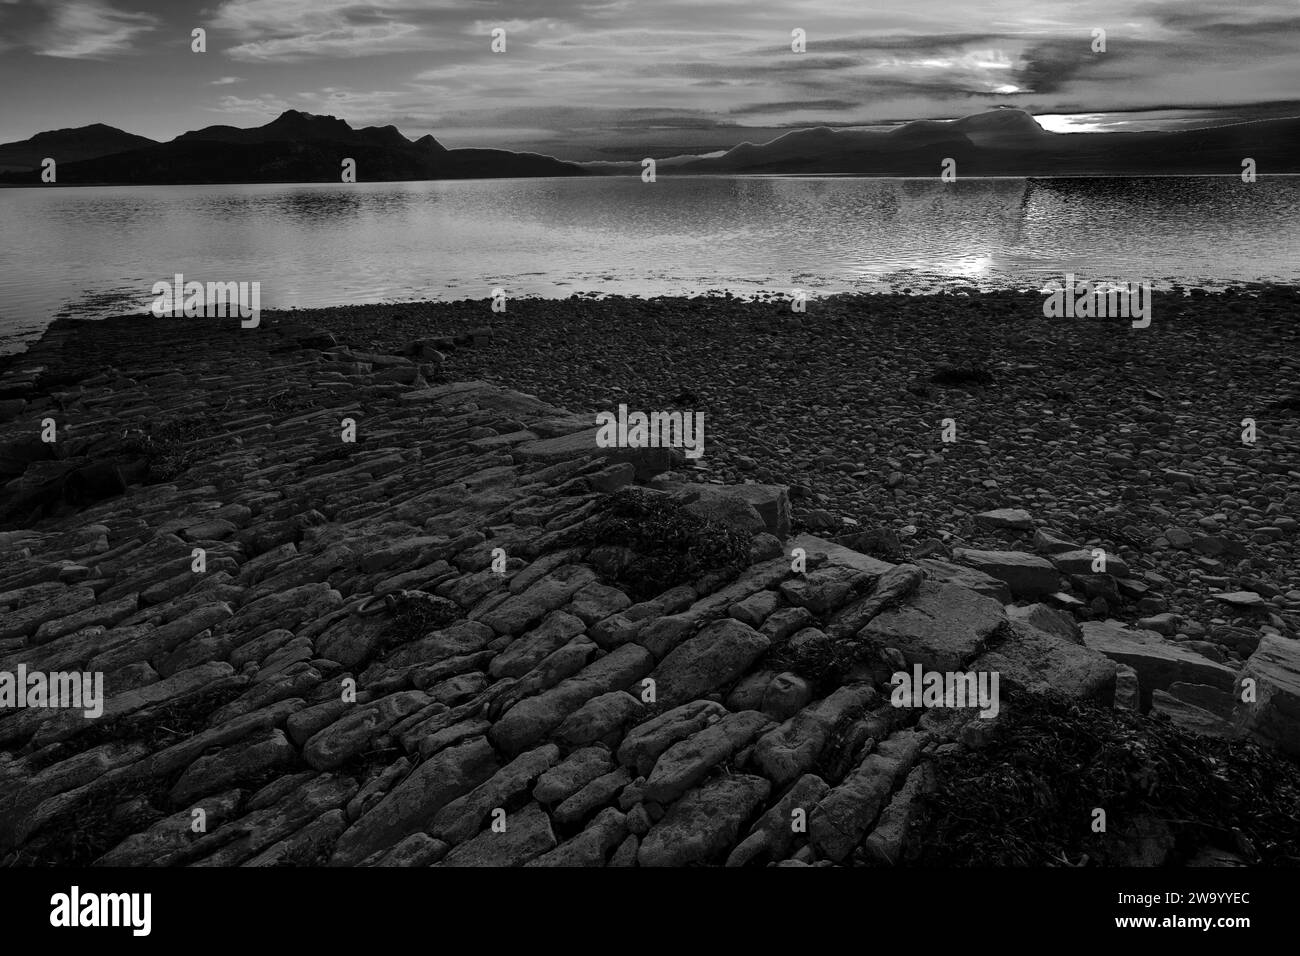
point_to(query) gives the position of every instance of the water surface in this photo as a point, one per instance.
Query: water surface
(97, 251)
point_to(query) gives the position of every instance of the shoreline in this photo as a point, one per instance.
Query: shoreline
(1167, 399)
(920, 287)
(1071, 436)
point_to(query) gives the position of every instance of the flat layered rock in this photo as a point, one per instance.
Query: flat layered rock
(828, 552)
(945, 572)
(1027, 575)
(412, 804)
(1158, 662)
(1034, 660)
(689, 761)
(1013, 519)
(1274, 717)
(844, 815)
(702, 825)
(709, 661)
(647, 461)
(751, 508)
(527, 835)
(942, 628)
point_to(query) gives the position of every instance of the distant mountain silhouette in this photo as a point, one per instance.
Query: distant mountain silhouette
(69, 145)
(1009, 142)
(294, 147)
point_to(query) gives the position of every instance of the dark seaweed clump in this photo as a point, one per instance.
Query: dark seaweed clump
(1028, 798)
(172, 447)
(414, 619)
(671, 546)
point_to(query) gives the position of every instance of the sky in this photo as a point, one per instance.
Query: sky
(623, 79)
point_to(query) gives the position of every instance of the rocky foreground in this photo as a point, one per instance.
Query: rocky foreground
(423, 647)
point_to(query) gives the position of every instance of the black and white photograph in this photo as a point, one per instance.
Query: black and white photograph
(693, 434)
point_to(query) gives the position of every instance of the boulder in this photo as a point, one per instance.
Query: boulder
(1274, 717)
(705, 823)
(1026, 574)
(1036, 661)
(943, 628)
(1159, 663)
(709, 661)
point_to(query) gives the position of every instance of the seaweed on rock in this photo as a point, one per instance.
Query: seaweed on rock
(1028, 798)
(671, 545)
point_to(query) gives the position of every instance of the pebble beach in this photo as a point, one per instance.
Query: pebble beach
(361, 583)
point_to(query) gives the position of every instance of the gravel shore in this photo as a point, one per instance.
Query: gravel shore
(1128, 439)
(354, 593)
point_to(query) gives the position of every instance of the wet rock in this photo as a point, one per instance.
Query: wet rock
(358, 726)
(519, 611)
(465, 816)
(1027, 575)
(1039, 662)
(712, 659)
(784, 622)
(1086, 562)
(418, 849)
(414, 802)
(943, 628)
(244, 838)
(598, 793)
(1048, 619)
(1006, 519)
(773, 835)
(842, 817)
(572, 774)
(689, 761)
(1189, 717)
(785, 695)
(530, 649)
(825, 589)
(644, 744)
(888, 842)
(1128, 692)
(242, 761)
(791, 749)
(1159, 663)
(943, 572)
(591, 846)
(819, 550)
(171, 839)
(595, 602)
(527, 835)
(1274, 716)
(701, 826)
(600, 719)
(892, 588)
(530, 720)
(754, 609)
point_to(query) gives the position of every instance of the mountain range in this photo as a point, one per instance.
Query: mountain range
(1010, 142)
(294, 147)
(302, 147)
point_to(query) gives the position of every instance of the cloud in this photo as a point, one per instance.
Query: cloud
(258, 104)
(90, 29)
(226, 80)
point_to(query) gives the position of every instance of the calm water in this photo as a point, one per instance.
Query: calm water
(98, 251)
